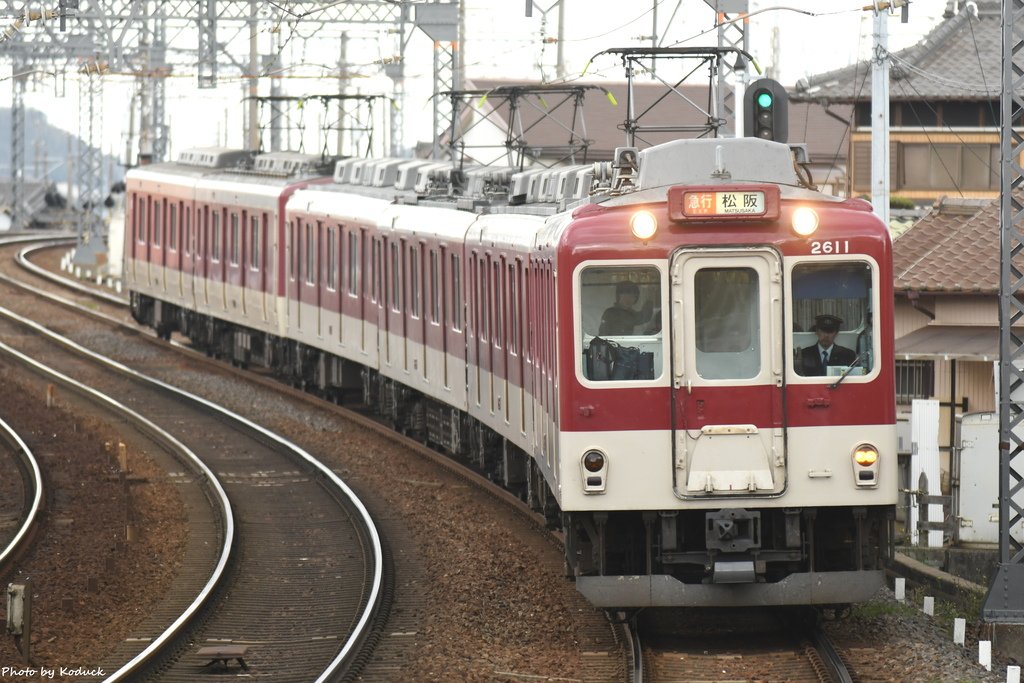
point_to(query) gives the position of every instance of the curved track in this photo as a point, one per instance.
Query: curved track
(594, 638)
(19, 522)
(306, 571)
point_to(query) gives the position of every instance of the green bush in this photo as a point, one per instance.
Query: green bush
(898, 202)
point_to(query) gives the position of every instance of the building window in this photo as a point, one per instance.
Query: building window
(914, 379)
(932, 167)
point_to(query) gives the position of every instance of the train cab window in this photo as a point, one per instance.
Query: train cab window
(833, 319)
(620, 323)
(727, 323)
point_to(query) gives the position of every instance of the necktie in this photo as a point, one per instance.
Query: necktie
(824, 359)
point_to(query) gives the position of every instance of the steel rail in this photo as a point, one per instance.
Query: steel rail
(327, 475)
(636, 672)
(829, 655)
(22, 259)
(35, 481)
(191, 459)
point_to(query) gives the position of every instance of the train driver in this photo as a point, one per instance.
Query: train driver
(814, 360)
(622, 317)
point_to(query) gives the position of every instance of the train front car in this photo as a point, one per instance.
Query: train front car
(707, 454)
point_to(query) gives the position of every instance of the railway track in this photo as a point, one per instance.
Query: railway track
(21, 498)
(305, 575)
(406, 644)
(737, 645)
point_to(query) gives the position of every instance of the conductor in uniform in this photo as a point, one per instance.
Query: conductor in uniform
(815, 359)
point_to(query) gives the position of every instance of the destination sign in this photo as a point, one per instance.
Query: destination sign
(723, 203)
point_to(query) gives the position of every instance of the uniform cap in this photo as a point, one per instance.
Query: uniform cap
(826, 322)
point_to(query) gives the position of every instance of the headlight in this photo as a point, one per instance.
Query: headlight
(865, 455)
(865, 465)
(805, 221)
(594, 470)
(644, 225)
(593, 461)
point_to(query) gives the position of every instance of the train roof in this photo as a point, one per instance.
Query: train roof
(634, 176)
(272, 169)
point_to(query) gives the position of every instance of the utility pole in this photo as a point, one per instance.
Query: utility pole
(253, 138)
(880, 117)
(729, 97)
(19, 219)
(560, 71)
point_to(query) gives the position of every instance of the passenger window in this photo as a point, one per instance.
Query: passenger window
(833, 321)
(621, 323)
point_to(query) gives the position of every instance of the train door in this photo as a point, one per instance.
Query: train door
(177, 246)
(292, 293)
(437, 337)
(453, 316)
(392, 293)
(418, 299)
(188, 247)
(359, 273)
(380, 289)
(155, 254)
(222, 249)
(261, 260)
(203, 253)
(727, 372)
(239, 246)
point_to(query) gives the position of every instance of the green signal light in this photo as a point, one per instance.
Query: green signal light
(764, 100)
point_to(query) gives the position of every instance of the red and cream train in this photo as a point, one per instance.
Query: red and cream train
(619, 344)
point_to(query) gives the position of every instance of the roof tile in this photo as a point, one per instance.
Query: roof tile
(960, 59)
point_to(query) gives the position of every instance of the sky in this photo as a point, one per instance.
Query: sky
(813, 37)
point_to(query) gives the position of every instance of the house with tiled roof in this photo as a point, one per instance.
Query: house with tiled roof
(946, 282)
(944, 107)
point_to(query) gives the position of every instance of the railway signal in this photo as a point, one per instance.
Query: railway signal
(767, 110)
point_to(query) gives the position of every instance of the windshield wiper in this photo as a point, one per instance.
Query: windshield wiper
(849, 369)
